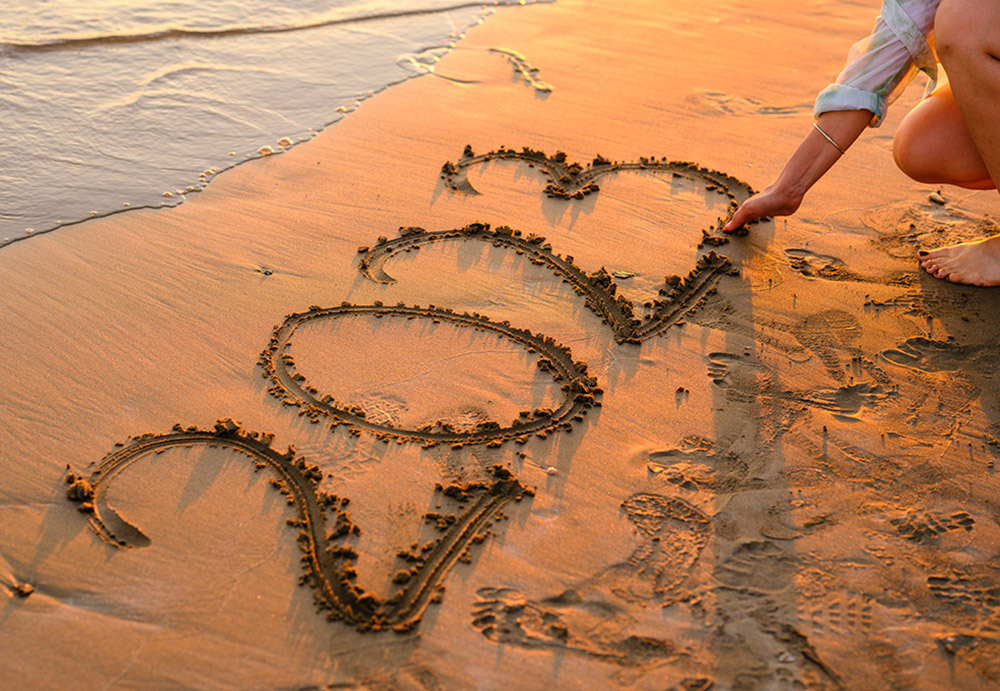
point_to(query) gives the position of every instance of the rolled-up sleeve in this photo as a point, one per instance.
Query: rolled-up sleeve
(880, 66)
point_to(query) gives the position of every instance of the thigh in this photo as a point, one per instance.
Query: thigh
(967, 35)
(932, 144)
(967, 26)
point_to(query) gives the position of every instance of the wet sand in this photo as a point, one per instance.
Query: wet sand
(532, 411)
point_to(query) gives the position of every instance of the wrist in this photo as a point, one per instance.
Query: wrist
(789, 190)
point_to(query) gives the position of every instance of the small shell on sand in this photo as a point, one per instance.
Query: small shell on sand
(551, 470)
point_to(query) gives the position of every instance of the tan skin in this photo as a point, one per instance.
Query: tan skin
(952, 137)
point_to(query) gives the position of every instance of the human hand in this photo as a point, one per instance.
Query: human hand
(773, 201)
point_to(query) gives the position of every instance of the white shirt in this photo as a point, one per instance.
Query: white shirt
(880, 66)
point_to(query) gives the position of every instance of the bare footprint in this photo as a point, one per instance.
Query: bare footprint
(700, 470)
(815, 265)
(564, 622)
(847, 400)
(929, 355)
(590, 617)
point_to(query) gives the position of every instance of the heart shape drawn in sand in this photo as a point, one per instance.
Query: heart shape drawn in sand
(327, 564)
(678, 296)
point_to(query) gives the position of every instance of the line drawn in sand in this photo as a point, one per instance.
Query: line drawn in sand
(572, 181)
(524, 69)
(677, 298)
(292, 388)
(327, 563)
(586, 618)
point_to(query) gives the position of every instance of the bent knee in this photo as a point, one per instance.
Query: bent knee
(913, 155)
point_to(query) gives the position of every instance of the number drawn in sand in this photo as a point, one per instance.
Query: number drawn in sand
(677, 298)
(580, 391)
(326, 561)
(572, 181)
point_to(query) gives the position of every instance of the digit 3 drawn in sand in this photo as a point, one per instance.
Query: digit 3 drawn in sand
(573, 181)
(677, 298)
(580, 391)
(585, 618)
(327, 564)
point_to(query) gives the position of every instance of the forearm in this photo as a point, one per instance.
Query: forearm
(815, 155)
(808, 164)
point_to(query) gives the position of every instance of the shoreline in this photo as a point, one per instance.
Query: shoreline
(278, 146)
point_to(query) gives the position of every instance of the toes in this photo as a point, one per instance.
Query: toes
(939, 253)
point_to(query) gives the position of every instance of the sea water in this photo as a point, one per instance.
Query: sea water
(108, 105)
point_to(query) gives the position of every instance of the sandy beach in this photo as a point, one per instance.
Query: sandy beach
(469, 391)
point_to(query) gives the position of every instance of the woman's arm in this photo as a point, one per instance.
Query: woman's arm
(808, 164)
(878, 68)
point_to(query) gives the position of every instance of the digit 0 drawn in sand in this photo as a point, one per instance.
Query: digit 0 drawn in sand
(677, 298)
(584, 619)
(580, 391)
(327, 565)
(573, 181)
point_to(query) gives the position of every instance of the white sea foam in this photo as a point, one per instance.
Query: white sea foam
(109, 105)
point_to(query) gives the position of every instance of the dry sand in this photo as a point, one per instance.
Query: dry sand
(790, 486)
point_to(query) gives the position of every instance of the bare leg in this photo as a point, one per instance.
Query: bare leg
(932, 144)
(967, 36)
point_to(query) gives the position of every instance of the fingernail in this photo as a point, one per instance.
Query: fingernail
(921, 253)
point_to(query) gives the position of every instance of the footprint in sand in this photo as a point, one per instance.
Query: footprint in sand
(973, 590)
(830, 268)
(589, 617)
(758, 564)
(728, 104)
(565, 622)
(929, 355)
(815, 265)
(746, 378)
(703, 469)
(924, 526)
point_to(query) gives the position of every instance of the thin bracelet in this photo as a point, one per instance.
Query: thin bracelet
(828, 138)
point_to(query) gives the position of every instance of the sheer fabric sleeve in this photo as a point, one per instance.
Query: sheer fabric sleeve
(880, 66)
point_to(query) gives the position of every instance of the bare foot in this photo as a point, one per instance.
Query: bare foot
(972, 263)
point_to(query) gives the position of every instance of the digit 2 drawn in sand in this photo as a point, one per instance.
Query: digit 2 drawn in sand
(327, 564)
(678, 296)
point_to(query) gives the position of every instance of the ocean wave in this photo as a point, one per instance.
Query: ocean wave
(346, 16)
